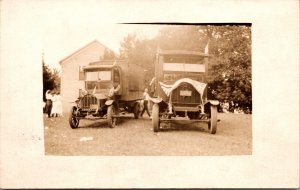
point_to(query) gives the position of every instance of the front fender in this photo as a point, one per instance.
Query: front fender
(212, 102)
(156, 100)
(74, 102)
(109, 102)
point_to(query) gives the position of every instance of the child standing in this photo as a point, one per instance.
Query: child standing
(146, 98)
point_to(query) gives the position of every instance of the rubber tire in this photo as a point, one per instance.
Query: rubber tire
(155, 117)
(136, 111)
(72, 120)
(212, 124)
(110, 120)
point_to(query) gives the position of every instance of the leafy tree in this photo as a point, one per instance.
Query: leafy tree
(140, 51)
(56, 78)
(127, 46)
(229, 74)
(108, 55)
(51, 79)
(230, 71)
(184, 37)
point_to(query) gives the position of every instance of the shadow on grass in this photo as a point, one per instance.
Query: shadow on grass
(182, 127)
(95, 124)
(103, 123)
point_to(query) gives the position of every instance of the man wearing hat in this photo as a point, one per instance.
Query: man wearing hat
(49, 102)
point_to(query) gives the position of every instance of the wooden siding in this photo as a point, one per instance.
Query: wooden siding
(70, 83)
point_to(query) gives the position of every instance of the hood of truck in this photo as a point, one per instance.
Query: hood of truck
(168, 88)
(100, 96)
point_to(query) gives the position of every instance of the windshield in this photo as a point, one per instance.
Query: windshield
(98, 75)
(97, 81)
(182, 59)
(183, 63)
(184, 67)
(170, 78)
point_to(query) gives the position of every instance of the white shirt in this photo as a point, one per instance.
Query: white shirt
(54, 98)
(146, 96)
(48, 95)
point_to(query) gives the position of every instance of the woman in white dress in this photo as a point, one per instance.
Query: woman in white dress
(53, 110)
(59, 104)
(56, 105)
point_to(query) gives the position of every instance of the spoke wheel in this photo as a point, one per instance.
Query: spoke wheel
(73, 121)
(155, 117)
(111, 120)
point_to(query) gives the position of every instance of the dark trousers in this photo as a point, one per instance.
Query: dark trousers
(48, 107)
(145, 108)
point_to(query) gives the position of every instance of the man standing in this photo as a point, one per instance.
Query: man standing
(49, 102)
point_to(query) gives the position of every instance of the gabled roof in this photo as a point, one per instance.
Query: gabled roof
(107, 62)
(83, 48)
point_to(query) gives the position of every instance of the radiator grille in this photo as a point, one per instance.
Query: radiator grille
(192, 100)
(87, 101)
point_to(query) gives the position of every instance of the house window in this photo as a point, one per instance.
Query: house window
(81, 73)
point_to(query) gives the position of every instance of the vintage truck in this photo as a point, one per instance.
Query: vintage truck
(180, 89)
(111, 87)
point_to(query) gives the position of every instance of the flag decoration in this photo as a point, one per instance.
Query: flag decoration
(206, 51)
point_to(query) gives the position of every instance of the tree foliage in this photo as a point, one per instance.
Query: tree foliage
(229, 73)
(230, 70)
(108, 55)
(139, 51)
(51, 79)
(181, 37)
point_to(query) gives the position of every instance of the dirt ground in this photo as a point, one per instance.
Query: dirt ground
(133, 137)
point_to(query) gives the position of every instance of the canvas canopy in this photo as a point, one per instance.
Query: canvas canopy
(199, 86)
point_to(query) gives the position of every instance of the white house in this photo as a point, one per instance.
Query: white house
(72, 76)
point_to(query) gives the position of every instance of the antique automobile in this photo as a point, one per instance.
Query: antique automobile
(111, 88)
(180, 90)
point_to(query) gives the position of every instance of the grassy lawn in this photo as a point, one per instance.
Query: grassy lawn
(136, 137)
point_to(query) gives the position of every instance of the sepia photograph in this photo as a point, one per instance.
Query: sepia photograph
(149, 94)
(181, 90)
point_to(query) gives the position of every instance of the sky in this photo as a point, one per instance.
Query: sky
(59, 28)
(61, 43)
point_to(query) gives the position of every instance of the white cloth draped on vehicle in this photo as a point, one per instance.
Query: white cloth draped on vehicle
(199, 86)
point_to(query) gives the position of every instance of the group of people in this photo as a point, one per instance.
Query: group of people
(53, 105)
(231, 107)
